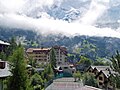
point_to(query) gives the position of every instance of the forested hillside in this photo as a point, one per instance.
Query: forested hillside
(91, 47)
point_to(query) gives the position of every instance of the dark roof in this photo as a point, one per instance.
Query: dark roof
(107, 73)
(106, 70)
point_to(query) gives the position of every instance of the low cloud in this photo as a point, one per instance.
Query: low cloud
(47, 24)
(96, 10)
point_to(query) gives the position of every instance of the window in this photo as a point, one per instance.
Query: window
(71, 66)
(65, 67)
(59, 62)
(90, 71)
(72, 71)
(100, 78)
(100, 83)
(2, 65)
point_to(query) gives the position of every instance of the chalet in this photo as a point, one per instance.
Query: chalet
(102, 74)
(96, 69)
(3, 45)
(103, 79)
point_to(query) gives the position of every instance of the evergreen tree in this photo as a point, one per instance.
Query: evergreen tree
(37, 82)
(116, 62)
(19, 78)
(116, 67)
(48, 72)
(3, 56)
(52, 58)
(32, 62)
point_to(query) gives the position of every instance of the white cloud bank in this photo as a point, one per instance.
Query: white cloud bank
(46, 25)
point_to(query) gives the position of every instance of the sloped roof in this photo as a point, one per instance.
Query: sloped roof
(106, 70)
(107, 73)
(99, 68)
(4, 43)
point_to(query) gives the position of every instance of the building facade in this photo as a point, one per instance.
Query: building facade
(42, 55)
(4, 73)
(61, 55)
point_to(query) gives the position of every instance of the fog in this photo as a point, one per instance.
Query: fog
(14, 14)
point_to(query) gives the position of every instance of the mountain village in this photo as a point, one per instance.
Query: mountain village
(51, 65)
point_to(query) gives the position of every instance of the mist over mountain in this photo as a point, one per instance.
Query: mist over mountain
(82, 17)
(93, 25)
(70, 10)
(91, 47)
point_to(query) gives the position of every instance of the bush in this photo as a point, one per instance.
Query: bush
(89, 80)
(77, 75)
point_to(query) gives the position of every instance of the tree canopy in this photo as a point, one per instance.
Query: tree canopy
(116, 67)
(116, 62)
(19, 78)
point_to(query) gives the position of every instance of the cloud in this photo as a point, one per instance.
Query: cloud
(11, 5)
(47, 24)
(96, 9)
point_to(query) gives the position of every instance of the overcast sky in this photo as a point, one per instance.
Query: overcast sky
(13, 14)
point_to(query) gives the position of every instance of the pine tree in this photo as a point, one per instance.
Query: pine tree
(116, 62)
(37, 82)
(48, 73)
(116, 67)
(19, 78)
(3, 56)
(52, 58)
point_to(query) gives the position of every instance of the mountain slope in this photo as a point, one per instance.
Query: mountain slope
(37, 15)
(89, 46)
